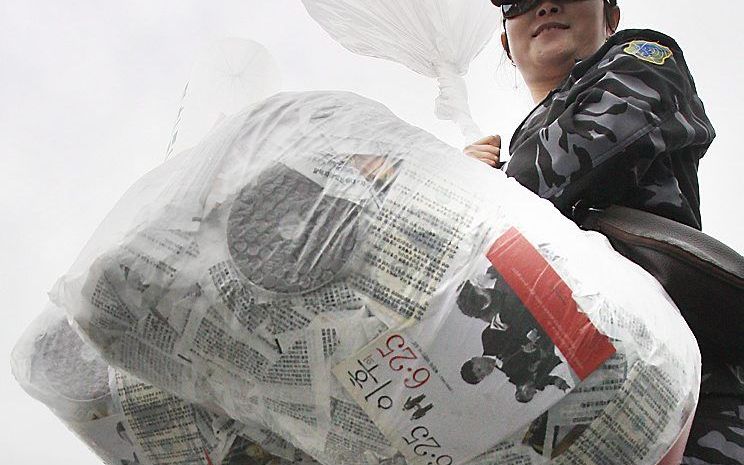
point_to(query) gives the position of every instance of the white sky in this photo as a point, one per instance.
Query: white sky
(89, 91)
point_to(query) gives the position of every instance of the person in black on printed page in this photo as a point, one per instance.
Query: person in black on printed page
(512, 341)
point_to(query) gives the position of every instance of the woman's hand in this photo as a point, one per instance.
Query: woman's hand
(487, 150)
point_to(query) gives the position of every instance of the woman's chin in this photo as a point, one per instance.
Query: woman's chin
(555, 56)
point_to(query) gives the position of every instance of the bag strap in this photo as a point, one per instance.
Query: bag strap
(703, 276)
(669, 237)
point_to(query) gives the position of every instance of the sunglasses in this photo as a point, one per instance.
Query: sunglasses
(513, 8)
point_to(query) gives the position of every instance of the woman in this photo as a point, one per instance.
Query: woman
(617, 121)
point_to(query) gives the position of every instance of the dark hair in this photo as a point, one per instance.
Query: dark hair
(608, 5)
(467, 373)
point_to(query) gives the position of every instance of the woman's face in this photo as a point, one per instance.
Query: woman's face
(550, 37)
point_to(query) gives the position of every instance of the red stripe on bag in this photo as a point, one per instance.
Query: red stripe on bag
(550, 301)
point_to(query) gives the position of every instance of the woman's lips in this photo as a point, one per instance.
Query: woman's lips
(544, 27)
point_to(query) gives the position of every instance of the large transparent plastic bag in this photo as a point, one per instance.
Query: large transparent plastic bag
(126, 421)
(323, 269)
(436, 38)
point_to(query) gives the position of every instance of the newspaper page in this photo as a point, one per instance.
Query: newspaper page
(630, 400)
(505, 340)
(137, 309)
(411, 243)
(165, 430)
(107, 437)
(643, 417)
(559, 428)
(303, 403)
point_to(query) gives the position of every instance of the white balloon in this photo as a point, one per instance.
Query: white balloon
(436, 38)
(228, 76)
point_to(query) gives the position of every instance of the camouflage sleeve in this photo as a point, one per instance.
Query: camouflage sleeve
(618, 128)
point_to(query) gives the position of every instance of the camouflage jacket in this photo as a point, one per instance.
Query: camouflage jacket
(625, 127)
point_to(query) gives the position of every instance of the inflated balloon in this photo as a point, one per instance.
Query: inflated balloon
(436, 38)
(228, 76)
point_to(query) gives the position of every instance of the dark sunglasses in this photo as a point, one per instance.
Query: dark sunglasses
(513, 8)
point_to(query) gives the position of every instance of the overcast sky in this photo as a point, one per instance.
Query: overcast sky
(90, 90)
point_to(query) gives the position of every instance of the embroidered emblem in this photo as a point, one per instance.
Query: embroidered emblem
(648, 51)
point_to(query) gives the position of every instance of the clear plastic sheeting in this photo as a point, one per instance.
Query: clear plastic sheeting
(227, 76)
(327, 273)
(125, 421)
(436, 38)
(54, 366)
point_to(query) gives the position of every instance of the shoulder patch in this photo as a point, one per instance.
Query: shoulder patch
(648, 51)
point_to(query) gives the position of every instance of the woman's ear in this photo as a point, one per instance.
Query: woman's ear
(505, 44)
(613, 20)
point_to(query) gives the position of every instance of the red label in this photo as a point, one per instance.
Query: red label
(550, 301)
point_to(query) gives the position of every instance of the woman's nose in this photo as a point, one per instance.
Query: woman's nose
(547, 8)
